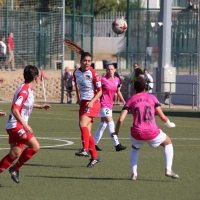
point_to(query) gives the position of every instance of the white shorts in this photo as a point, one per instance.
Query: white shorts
(105, 112)
(152, 143)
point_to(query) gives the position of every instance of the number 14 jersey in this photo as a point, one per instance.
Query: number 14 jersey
(142, 106)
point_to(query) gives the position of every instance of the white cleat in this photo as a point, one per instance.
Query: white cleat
(133, 177)
(171, 174)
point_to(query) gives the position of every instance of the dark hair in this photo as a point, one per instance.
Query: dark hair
(145, 70)
(84, 54)
(139, 84)
(138, 72)
(30, 72)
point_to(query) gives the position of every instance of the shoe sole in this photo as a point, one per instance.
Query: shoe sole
(120, 149)
(81, 155)
(171, 176)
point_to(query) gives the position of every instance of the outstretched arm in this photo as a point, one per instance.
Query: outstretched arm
(163, 117)
(45, 106)
(120, 121)
(2, 113)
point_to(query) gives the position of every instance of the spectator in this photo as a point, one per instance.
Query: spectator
(2, 51)
(11, 47)
(149, 81)
(68, 77)
(116, 96)
(135, 66)
(77, 66)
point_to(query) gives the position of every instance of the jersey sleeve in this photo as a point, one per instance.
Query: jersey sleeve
(96, 80)
(74, 76)
(21, 98)
(127, 105)
(156, 102)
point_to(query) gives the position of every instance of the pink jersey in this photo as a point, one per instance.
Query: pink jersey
(23, 101)
(142, 107)
(109, 87)
(88, 83)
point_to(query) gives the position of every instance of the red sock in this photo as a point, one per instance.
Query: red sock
(92, 148)
(85, 137)
(6, 162)
(25, 156)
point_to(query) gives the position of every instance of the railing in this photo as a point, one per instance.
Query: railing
(168, 95)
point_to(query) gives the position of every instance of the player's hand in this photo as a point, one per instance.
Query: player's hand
(170, 124)
(28, 129)
(46, 106)
(2, 113)
(90, 104)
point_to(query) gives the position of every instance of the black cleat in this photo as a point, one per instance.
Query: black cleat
(1, 185)
(93, 162)
(97, 148)
(119, 147)
(14, 174)
(82, 152)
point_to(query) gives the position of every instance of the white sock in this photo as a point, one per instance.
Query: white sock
(111, 130)
(168, 154)
(99, 132)
(134, 154)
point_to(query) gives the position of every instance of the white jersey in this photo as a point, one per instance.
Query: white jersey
(3, 47)
(88, 83)
(23, 101)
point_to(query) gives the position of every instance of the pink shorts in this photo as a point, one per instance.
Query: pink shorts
(90, 112)
(18, 136)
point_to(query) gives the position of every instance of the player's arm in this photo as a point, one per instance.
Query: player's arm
(2, 113)
(45, 106)
(120, 95)
(18, 117)
(121, 120)
(164, 118)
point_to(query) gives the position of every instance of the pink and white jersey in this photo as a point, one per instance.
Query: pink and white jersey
(142, 107)
(23, 101)
(88, 83)
(109, 87)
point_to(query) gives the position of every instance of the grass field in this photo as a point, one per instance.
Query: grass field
(55, 173)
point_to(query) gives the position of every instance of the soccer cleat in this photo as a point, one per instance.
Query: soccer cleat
(97, 148)
(1, 185)
(82, 152)
(69, 102)
(133, 177)
(93, 162)
(119, 147)
(14, 174)
(171, 174)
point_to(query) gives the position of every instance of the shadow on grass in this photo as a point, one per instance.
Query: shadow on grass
(95, 178)
(42, 165)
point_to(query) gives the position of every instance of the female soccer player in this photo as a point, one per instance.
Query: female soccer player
(88, 89)
(143, 107)
(20, 133)
(110, 84)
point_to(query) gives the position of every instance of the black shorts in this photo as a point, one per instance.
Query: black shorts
(69, 89)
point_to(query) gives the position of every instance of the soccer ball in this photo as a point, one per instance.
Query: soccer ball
(119, 26)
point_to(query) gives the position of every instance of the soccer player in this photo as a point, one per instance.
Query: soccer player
(110, 85)
(143, 107)
(88, 89)
(20, 133)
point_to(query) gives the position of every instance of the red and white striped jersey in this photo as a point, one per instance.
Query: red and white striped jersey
(23, 101)
(88, 83)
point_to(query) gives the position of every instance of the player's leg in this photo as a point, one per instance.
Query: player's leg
(99, 133)
(168, 155)
(134, 155)
(14, 153)
(85, 134)
(114, 138)
(33, 148)
(163, 140)
(69, 91)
